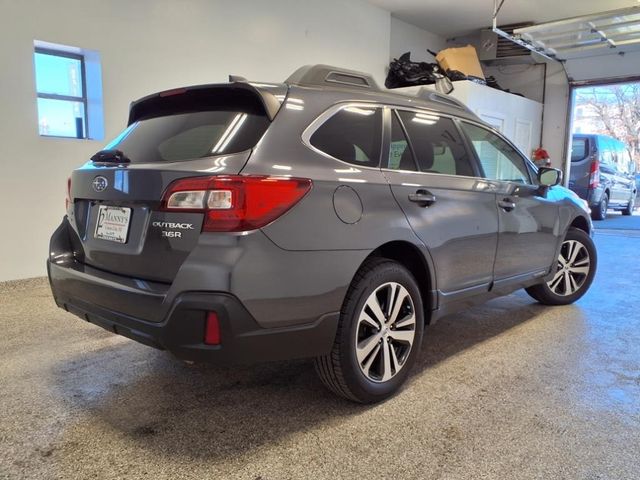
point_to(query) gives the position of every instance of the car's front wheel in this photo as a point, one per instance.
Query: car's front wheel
(379, 334)
(576, 267)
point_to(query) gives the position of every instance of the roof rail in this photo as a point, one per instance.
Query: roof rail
(425, 93)
(446, 99)
(323, 75)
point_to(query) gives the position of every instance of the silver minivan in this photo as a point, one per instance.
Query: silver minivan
(602, 173)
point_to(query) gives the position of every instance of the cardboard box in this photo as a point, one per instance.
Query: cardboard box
(462, 59)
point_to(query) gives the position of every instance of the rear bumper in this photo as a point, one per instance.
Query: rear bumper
(593, 196)
(181, 331)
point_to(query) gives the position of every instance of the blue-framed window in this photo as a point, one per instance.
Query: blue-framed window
(62, 93)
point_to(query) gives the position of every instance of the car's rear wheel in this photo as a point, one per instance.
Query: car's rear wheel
(576, 267)
(379, 334)
(600, 212)
(629, 208)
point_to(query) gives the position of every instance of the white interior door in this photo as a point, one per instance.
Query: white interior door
(523, 136)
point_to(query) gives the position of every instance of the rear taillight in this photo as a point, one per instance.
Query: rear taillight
(594, 174)
(67, 200)
(235, 203)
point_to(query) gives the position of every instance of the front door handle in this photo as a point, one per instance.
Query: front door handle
(422, 197)
(506, 204)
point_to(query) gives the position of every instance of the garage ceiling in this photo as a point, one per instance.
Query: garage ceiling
(458, 17)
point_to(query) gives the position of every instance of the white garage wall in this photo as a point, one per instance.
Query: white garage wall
(409, 38)
(599, 68)
(525, 79)
(554, 125)
(146, 46)
(529, 80)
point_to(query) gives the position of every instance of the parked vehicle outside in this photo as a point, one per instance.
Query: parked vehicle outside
(603, 174)
(320, 218)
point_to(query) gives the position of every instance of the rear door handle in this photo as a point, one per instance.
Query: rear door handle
(506, 204)
(424, 198)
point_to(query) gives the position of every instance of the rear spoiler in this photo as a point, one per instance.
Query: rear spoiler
(201, 97)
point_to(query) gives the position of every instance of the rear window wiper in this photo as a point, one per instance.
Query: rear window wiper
(110, 156)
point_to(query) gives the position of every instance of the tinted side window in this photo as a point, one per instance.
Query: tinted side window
(353, 135)
(622, 158)
(436, 143)
(499, 160)
(400, 156)
(606, 153)
(627, 162)
(579, 149)
(614, 152)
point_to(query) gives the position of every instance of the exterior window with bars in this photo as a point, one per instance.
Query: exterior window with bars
(62, 93)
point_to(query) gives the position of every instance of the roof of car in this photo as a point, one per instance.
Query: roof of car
(599, 136)
(424, 99)
(362, 86)
(340, 85)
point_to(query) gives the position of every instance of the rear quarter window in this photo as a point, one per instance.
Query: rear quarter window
(353, 135)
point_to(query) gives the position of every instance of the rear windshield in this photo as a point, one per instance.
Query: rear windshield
(186, 136)
(579, 149)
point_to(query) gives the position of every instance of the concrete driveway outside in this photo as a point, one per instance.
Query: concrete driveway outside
(617, 221)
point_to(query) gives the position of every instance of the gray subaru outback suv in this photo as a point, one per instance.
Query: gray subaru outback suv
(321, 217)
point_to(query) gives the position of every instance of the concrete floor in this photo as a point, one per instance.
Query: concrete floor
(506, 390)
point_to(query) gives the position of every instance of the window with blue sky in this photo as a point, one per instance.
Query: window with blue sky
(69, 91)
(61, 93)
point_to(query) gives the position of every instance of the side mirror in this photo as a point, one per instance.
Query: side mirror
(549, 177)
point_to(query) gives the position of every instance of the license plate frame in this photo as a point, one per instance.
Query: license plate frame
(113, 224)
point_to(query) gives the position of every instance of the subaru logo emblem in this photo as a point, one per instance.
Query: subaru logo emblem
(99, 184)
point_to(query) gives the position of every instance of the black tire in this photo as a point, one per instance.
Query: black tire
(628, 210)
(600, 212)
(340, 370)
(545, 293)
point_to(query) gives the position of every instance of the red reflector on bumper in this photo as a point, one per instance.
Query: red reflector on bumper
(212, 329)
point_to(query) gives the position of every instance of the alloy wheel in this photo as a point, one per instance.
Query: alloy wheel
(574, 265)
(385, 332)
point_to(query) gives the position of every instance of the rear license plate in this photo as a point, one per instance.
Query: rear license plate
(113, 223)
